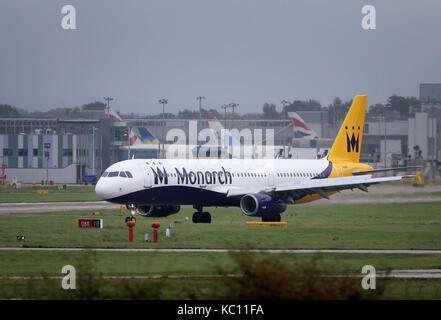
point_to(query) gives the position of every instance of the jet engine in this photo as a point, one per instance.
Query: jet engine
(158, 211)
(261, 205)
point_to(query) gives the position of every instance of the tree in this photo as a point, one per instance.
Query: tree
(188, 114)
(7, 111)
(304, 105)
(377, 109)
(97, 105)
(338, 110)
(270, 112)
(403, 104)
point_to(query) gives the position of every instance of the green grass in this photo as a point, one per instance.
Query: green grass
(200, 289)
(355, 226)
(29, 194)
(49, 263)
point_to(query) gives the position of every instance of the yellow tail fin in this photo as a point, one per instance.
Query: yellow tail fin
(347, 144)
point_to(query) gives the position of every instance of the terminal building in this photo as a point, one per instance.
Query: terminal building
(64, 150)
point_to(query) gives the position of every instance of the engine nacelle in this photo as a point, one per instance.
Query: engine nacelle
(261, 205)
(158, 211)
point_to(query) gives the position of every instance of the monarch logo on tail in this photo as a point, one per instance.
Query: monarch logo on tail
(353, 143)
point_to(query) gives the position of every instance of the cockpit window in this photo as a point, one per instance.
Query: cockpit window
(122, 174)
(105, 173)
(129, 174)
(113, 174)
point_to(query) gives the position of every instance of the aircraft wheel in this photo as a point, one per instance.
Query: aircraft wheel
(206, 217)
(201, 217)
(196, 217)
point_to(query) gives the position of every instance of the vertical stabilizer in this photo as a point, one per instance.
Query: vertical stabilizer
(347, 144)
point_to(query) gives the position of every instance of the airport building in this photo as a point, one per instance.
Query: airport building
(64, 150)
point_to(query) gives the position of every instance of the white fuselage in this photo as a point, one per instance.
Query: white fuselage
(205, 181)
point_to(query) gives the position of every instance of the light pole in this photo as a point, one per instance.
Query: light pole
(93, 149)
(200, 98)
(163, 102)
(47, 146)
(284, 103)
(108, 99)
(434, 152)
(385, 137)
(225, 107)
(233, 105)
(129, 129)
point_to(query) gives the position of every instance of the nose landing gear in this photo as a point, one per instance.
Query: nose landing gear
(201, 217)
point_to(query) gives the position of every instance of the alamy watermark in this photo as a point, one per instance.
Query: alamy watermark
(368, 282)
(368, 21)
(68, 282)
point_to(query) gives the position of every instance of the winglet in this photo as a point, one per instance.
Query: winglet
(418, 180)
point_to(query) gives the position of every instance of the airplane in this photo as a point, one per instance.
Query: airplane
(112, 114)
(259, 187)
(141, 135)
(301, 129)
(138, 135)
(225, 140)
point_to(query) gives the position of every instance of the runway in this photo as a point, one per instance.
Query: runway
(11, 208)
(292, 251)
(36, 207)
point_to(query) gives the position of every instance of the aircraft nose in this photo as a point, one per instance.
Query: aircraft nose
(101, 190)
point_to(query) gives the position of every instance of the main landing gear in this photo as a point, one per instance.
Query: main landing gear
(201, 217)
(275, 218)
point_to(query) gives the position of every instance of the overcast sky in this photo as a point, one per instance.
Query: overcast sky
(244, 51)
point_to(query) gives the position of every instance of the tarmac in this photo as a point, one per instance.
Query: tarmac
(11, 208)
(292, 251)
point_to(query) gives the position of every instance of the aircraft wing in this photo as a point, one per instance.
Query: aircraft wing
(358, 173)
(319, 186)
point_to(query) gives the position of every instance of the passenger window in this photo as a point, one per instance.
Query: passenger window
(113, 174)
(122, 174)
(129, 174)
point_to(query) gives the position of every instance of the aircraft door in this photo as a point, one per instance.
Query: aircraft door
(147, 175)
